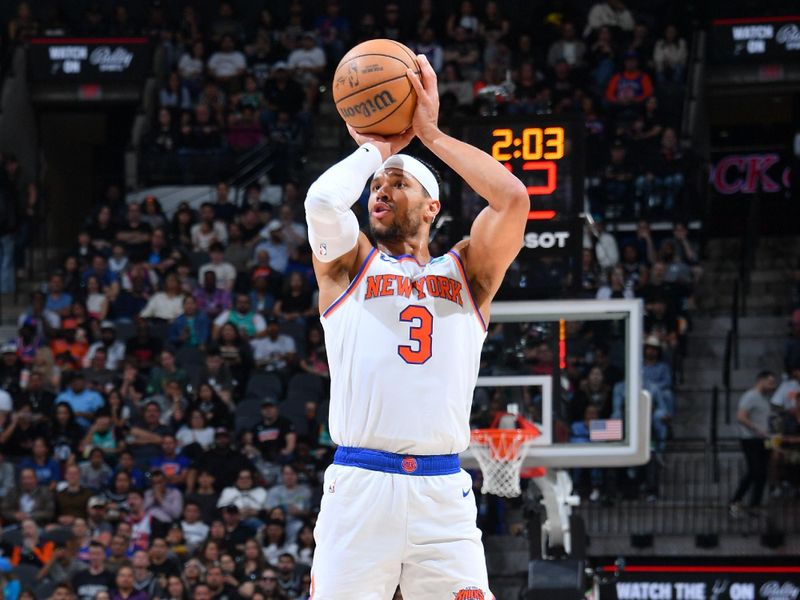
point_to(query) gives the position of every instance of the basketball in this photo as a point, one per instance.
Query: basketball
(371, 90)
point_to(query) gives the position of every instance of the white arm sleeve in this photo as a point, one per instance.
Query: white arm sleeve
(332, 226)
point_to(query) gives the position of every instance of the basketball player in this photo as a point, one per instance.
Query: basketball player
(403, 332)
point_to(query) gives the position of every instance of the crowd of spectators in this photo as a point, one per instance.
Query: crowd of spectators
(163, 404)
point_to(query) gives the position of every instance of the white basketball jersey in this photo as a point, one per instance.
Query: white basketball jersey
(404, 344)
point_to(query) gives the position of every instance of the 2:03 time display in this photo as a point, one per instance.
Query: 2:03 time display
(536, 143)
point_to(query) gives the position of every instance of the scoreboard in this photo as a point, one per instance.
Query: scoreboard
(546, 152)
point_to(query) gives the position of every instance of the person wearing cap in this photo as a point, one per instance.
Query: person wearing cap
(272, 241)
(401, 326)
(115, 349)
(629, 87)
(274, 436)
(275, 352)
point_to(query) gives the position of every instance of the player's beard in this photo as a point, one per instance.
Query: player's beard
(397, 231)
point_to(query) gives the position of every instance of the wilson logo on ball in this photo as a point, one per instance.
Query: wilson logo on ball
(375, 104)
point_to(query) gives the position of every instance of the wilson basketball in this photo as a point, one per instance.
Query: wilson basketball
(371, 90)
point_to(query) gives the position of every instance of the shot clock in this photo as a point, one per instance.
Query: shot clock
(546, 152)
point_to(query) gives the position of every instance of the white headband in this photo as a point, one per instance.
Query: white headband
(412, 166)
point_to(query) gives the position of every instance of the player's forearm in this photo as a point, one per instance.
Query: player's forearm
(332, 227)
(485, 175)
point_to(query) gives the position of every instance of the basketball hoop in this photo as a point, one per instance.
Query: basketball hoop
(500, 453)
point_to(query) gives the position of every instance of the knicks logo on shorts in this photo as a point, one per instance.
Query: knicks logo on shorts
(469, 593)
(409, 464)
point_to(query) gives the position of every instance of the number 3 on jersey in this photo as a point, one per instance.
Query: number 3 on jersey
(421, 332)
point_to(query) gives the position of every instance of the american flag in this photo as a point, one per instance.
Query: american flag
(605, 430)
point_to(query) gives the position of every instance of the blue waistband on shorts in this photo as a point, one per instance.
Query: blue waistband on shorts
(401, 464)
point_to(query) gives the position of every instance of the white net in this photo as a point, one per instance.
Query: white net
(500, 454)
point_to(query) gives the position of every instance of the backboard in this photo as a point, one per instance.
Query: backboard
(540, 359)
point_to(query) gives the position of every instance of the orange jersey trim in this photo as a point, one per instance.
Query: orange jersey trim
(353, 284)
(463, 271)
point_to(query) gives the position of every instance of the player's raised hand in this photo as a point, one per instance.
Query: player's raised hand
(386, 145)
(426, 115)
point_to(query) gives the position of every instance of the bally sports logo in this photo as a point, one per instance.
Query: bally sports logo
(377, 103)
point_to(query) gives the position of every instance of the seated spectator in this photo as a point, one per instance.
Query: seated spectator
(204, 134)
(58, 301)
(783, 399)
(162, 564)
(593, 391)
(166, 305)
(126, 304)
(173, 465)
(615, 287)
(208, 231)
(237, 354)
(431, 48)
(45, 320)
(307, 61)
(95, 473)
(146, 435)
(250, 499)
(224, 271)
(166, 371)
(191, 66)
(618, 181)
(124, 586)
(221, 461)
(248, 322)
(243, 129)
(669, 56)
(192, 328)
(134, 232)
(98, 377)
(283, 94)
(211, 299)
(175, 95)
(161, 501)
(568, 48)
(288, 577)
(295, 302)
(579, 434)
(227, 64)
(163, 136)
(216, 411)
(195, 432)
(29, 501)
(275, 352)
(601, 59)
(273, 242)
(114, 349)
(629, 88)
(216, 373)
(608, 13)
(293, 497)
(72, 497)
(657, 373)
(276, 542)
(33, 550)
(195, 531)
(143, 347)
(205, 495)
(63, 566)
(47, 469)
(662, 324)
(84, 402)
(662, 182)
(463, 50)
(96, 578)
(274, 436)
(315, 360)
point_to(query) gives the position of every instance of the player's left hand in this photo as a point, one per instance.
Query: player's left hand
(426, 115)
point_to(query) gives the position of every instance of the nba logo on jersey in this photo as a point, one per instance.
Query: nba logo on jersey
(470, 593)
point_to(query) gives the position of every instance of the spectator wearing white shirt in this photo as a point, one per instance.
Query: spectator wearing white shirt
(273, 242)
(569, 48)
(308, 61)
(194, 530)
(275, 351)
(226, 274)
(787, 391)
(244, 495)
(166, 305)
(191, 67)
(208, 231)
(610, 13)
(669, 56)
(115, 350)
(227, 64)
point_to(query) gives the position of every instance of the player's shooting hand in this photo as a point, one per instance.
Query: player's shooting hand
(386, 145)
(426, 115)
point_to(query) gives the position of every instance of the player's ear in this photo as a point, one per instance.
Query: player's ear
(434, 207)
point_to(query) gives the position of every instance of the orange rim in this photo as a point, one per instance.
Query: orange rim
(504, 444)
